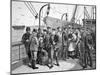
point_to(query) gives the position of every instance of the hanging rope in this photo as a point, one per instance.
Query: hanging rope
(86, 13)
(33, 11)
(34, 21)
(80, 16)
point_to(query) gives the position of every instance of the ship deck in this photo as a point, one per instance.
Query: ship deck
(18, 55)
(70, 64)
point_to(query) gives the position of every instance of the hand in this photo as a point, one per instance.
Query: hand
(54, 43)
(27, 40)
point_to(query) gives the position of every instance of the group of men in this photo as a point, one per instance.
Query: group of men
(43, 46)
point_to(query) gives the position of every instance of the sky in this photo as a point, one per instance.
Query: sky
(22, 16)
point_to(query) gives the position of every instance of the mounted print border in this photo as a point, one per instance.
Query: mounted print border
(52, 37)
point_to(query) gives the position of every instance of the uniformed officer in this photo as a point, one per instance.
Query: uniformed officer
(26, 42)
(85, 55)
(89, 47)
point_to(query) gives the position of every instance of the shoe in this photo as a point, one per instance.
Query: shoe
(50, 67)
(35, 67)
(84, 67)
(58, 65)
(91, 65)
(29, 65)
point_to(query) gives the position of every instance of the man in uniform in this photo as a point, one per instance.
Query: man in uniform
(26, 42)
(85, 56)
(89, 47)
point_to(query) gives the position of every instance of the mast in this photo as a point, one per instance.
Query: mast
(84, 17)
(73, 16)
(93, 12)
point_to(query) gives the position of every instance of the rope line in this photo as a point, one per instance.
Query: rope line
(29, 8)
(33, 7)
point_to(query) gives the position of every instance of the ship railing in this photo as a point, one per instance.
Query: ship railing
(17, 51)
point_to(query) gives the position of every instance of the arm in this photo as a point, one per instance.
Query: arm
(23, 40)
(37, 41)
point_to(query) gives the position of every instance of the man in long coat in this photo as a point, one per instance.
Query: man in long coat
(26, 42)
(85, 50)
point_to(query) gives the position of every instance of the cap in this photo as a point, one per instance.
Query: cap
(28, 29)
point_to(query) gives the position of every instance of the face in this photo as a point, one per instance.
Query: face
(39, 30)
(53, 32)
(49, 30)
(28, 31)
(59, 29)
(45, 32)
(41, 39)
(35, 34)
(66, 29)
(70, 31)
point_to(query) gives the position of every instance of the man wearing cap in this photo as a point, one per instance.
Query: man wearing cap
(34, 48)
(26, 42)
(85, 44)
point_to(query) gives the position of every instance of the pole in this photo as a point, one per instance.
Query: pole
(40, 14)
(19, 52)
(62, 31)
(84, 16)
(63, 15)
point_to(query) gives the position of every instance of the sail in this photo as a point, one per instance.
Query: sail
(54, 22)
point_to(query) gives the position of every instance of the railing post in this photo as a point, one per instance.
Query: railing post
(19, 52)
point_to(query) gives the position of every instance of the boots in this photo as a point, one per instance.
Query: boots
(34, 64)
(57, 61)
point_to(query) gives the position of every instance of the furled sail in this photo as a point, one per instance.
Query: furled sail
(54, 22)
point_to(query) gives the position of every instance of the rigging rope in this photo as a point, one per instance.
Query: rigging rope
(33, 7)
(29, 8)
(33, 11)
(79, 16)
(87, 13)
